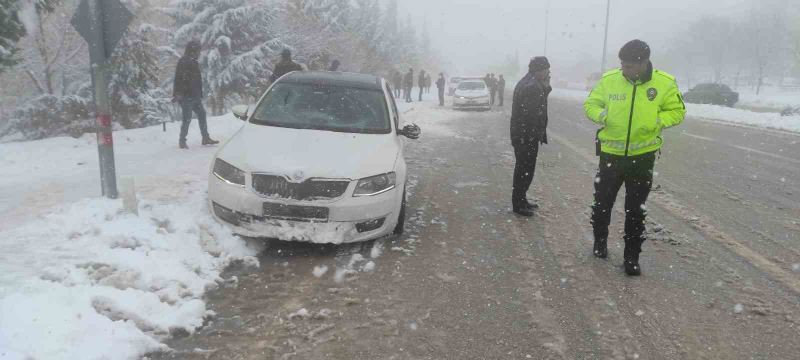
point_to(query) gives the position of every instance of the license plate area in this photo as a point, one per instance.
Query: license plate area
(295, 212)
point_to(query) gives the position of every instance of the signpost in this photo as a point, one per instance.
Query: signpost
(102, 23)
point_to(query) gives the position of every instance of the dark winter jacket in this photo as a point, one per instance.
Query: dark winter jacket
(188, 80)
(408, 80)
(284, 67)
(529, 112)
(501, 85)
(421, 79)
(440, 83)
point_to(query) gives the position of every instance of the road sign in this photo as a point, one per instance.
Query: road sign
(114, 20)
(102, 23)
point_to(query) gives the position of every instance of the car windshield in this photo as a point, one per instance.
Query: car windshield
(324, 107)
(471, 85)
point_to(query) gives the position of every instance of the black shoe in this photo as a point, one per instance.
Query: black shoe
(523, 210)
(632, 268)
(209, 141)
(601, 248)
(530, 205)
(182, 145)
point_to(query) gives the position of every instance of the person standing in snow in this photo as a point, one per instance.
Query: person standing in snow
(492, 89)
(408, 84)
(334, 65)
(284, 66)
(632, 105)
(187, 90)
(528, 129)
(397, 82)
(501, 89)
(421, 83)
(440, 82)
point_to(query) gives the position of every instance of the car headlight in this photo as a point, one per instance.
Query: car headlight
(375, 185)
(228, 173)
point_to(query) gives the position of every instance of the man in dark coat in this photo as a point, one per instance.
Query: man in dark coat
(397, 82)
(501, 89)
(408, 84)
(285, 66)
(187, 90)
(421, 83)
(492, 88)
(334, 65)
(440, 82)
(529, 129)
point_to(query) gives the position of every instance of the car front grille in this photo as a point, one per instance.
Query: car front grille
(278, 186)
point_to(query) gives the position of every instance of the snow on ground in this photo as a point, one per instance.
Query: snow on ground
(82, 279)
(714, 112)
(434, 120)
(769, 98)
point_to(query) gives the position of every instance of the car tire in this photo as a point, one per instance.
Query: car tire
(401, 218)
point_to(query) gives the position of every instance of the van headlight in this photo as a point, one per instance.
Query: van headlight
(375, 185)
(228, 173)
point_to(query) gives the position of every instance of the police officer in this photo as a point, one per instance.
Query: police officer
(529, 129)
(632, 105)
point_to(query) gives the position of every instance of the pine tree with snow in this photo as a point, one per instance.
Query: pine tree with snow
(134, 87)
(11, 30)
(238, 41)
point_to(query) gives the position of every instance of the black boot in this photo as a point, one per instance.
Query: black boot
(522, 208)
(209, 141)
(632, 267)
(600, 248)
(530, 205)
(182, 144)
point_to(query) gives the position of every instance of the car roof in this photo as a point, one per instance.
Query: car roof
(333, 78)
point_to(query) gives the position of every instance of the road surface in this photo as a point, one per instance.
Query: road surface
(470, 280)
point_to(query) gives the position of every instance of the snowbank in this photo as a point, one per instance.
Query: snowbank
(90, 281)
(80, 278)
(714, 112)
(769, 98)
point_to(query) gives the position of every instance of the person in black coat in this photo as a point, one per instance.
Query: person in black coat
(284, 66)
(408, 84)
(421, 83)
(440, 82)
(187, 90)
(397, 82)
(501, 89)
(529, 129)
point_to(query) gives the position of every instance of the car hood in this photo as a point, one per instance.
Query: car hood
(302, 154)
(472, 93)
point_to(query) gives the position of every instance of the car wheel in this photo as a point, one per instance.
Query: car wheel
(401, 219)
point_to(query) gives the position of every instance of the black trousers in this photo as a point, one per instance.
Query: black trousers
(421, 89)
(500, 94)
(492, 94)
(441, 97)
(524, 169)
(636, 172)
(188, 106)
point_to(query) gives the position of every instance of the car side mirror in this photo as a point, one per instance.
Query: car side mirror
(240, 112)
(410, 131)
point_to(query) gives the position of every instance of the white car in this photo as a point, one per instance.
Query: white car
(472, 94)
(319, 159)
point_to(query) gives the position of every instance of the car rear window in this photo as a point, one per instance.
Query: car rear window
(324, 107)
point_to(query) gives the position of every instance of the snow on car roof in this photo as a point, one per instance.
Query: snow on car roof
(362, 81)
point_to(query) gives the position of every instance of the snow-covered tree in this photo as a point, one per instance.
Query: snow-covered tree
(11, 30)
(238, 41)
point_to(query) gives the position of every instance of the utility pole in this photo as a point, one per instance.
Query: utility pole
(102, 23)
(605, 39)
(546, 26)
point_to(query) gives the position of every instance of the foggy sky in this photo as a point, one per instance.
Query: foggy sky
(471, 34)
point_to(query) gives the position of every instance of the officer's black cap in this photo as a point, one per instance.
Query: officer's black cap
(635, 51)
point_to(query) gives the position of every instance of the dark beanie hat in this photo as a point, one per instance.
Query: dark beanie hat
(538, 63)
(635, 50)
